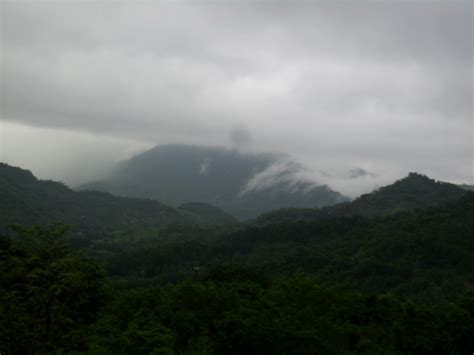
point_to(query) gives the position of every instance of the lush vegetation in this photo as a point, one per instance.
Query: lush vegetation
(91, 214)
(426, 255)
(47, 293)
(208, 213)
(55, 300)
(412, 192)
(391, 274)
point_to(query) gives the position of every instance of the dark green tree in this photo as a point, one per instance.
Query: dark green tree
(47, 293)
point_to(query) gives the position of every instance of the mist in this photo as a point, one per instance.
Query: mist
(63, 155)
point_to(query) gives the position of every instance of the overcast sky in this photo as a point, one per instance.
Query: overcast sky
(386, 86)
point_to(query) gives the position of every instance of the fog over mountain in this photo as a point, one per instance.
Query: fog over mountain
(244, 185)
(385, 87)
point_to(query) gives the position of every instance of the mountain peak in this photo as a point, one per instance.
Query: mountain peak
(413, 191)
(420, 183)
(242, 184)
(413, 175)
(409, 193)
(17, 176)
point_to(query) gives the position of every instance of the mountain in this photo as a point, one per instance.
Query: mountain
(27, 200)
(243, 185)
(412, 192)
(208, 213)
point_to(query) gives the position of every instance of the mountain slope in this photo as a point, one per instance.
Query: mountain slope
(411, 192)
(243, 185)
(208, 213)
(467, 187)
(422, 253)
(427, 254)
(27, 200)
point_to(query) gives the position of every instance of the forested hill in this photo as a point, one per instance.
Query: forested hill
(412, 192)
(26, 200)
(426, 255)
(208, 212)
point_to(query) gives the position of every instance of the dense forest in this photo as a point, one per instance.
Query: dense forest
(389, 273)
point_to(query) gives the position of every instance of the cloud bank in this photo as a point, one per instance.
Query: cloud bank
(384, 86)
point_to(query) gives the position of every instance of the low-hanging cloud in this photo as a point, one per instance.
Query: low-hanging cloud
(385, 85)
(282, 172)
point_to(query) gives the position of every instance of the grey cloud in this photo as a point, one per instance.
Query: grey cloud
(240, 136)
(337, 84)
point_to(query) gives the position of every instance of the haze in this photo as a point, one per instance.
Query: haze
(383, 86)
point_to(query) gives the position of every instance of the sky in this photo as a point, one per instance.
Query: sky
(381, 85)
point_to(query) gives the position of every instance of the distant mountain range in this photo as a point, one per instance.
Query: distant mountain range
(26, 200)
(244, 185)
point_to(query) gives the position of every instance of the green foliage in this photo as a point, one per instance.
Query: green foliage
(208, 213)
(91, 214)
(46, 292)
(412, 192)
(427, 255)
(295, 315)
(233, 272)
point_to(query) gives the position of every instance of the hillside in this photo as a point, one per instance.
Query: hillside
(27, 200)
(412, 192)
(426, 255)
(208, 213)
(243, 185)
(467, 187)
(237, 309)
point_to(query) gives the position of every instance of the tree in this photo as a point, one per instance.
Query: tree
(47, 293)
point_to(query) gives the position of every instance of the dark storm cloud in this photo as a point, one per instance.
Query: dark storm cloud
(384, 85)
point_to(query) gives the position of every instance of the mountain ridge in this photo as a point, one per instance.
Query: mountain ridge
(411, 192)
(28, 200)
(241, 184)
